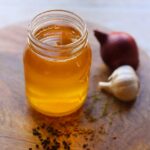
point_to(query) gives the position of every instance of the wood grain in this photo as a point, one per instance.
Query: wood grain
(126, 125)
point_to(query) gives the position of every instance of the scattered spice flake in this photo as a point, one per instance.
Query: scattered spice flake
(95, 98)
(88, 110)
(104, 110)
(86, 131)
(85, 145)
(52, 131)
(92, 118)
(88, 113)
(102, 130)
(86, 138)
(66, 145)
(75, 134)
(56, 144)
(43, 125)
(36, 132)
(114, 138)
(45, 143)
(111, 118)
(67, 135)
(37, 146)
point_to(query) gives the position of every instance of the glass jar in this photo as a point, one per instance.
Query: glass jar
(57, 62)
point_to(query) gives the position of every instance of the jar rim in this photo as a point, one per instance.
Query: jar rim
(54, 47)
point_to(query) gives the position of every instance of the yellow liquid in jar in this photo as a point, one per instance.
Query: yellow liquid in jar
(56, 87)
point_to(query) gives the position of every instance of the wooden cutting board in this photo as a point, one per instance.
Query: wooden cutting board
(103, 123)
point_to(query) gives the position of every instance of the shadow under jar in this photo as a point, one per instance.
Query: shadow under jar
(57, 62)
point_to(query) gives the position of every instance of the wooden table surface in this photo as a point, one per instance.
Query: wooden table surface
(104, 123)
(128, 15)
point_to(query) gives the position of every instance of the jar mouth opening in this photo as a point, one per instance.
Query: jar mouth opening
(56, 12)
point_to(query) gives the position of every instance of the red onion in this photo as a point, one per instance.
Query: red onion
(117, 49)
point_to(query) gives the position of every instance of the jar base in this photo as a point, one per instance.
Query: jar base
(53, 114)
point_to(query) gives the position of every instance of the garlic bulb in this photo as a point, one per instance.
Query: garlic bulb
(123, 83)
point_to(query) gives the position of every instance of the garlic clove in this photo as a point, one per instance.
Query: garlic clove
(121, 70)
(126, 88)
(127, 93)
(123, 84)
(105, 86)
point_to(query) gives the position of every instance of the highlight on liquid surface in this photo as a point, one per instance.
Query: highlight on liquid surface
(56, 87)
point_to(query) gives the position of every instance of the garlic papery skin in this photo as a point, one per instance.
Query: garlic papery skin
(123, 84)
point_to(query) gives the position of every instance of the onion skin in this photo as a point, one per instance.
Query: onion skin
(117, 49)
